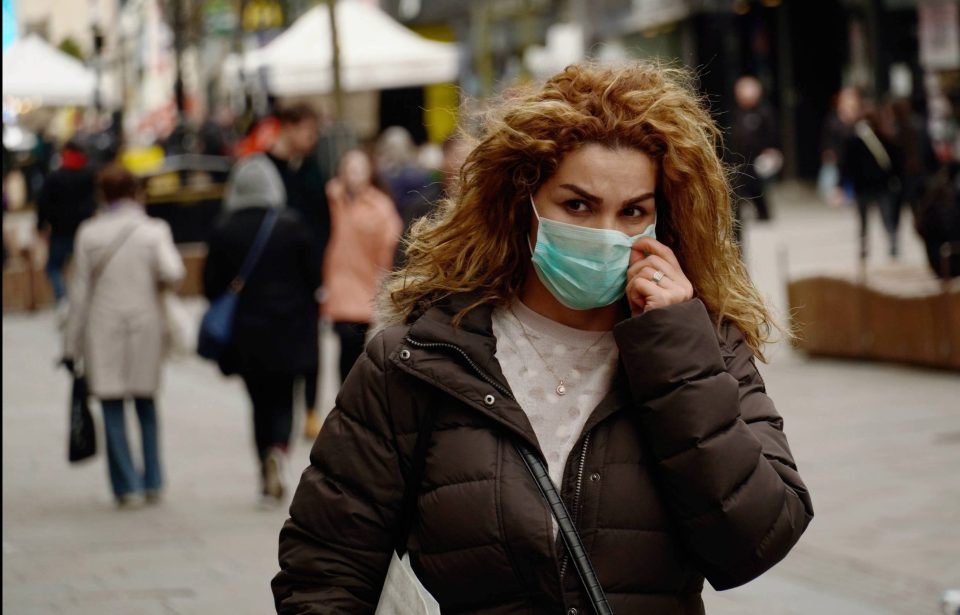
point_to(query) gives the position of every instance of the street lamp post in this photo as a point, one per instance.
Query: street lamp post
(335, 40)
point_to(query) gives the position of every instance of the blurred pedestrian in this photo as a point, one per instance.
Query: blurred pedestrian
(216, 134)
(295, 158)
(399, 170)
(754, 142)
(275, 331)
(115, 330)
(454, 151)
(919, 160)
(366, 228)
(872, 166)
(937, 221)
(837, 130)
(66, 199)
(576, 317)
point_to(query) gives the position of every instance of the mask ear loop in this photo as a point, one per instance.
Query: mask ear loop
(537, 214)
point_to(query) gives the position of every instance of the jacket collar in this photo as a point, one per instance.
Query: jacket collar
(434, 357)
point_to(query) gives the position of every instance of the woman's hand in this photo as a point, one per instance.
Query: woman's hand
(650, 260)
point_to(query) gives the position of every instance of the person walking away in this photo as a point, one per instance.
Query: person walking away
(66, 199)
(872, 166)
(918, 159)
(575, 327)
(294, 156)
(837, 129)
(366, 229)
(753, 134)
(115, 327)
(275, 334)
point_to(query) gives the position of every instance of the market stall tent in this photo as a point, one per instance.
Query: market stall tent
(376, 53)
(33, 69)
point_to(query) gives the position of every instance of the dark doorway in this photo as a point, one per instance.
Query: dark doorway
(404, 107)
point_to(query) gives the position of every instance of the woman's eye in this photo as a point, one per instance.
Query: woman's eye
(577, 206)
(634, 212)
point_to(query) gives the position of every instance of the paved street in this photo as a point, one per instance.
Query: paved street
(878, 445)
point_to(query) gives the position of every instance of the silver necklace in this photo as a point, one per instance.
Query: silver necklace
(561, 385)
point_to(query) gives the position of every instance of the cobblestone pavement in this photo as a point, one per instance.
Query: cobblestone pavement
(878, 445)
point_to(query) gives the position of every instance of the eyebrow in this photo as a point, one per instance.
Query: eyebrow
(586, 195)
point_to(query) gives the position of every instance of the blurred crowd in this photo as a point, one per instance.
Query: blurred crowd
(304, 236)
(884, 153)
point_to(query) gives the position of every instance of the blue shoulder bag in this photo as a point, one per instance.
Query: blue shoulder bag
(216, 328)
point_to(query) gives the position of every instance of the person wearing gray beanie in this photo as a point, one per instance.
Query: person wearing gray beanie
(274, 340)
(254, 182)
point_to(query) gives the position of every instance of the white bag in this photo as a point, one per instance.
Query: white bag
(180, 327)
(403, 594)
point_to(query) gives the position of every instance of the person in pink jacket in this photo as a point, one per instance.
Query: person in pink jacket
(365, 229)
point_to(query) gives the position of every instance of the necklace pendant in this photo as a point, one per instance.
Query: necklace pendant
(561, 389)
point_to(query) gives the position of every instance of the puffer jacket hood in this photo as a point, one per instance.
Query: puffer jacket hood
(681, 472)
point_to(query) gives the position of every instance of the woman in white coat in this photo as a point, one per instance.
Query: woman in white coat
(123, 261)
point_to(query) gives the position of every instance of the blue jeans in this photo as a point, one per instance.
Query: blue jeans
(61, 248)
(124, 477)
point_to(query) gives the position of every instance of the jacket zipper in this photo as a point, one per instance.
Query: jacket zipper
(576, 499)
(466, 357)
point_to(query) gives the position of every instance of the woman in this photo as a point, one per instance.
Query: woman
(274, 340)
(364, 234)
(579, 294)
(123, 261)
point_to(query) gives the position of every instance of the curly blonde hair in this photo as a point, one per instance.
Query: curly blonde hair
(476, 241)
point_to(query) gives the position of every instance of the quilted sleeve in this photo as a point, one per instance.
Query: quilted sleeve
(722, 460)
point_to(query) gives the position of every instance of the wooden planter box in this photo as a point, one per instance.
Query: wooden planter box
(900, 314)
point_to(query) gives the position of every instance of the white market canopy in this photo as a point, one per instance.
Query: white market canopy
(36, 70)
(376, 53)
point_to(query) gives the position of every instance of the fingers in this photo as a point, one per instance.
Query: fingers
(656, 263)
(650, 246)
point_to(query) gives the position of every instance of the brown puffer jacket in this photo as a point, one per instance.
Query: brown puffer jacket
(682, 472)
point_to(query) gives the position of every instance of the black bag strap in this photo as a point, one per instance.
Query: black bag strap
(408, 512)
(259, 243)
(568, 531)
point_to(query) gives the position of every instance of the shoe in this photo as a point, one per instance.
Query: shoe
(311, 426)
(153, 496)
(130, 501)
(273, 474)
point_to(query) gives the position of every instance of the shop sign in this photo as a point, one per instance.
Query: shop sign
(220, 17)
(939, 35)
(262, 15)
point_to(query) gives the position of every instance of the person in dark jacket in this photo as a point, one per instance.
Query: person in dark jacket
(67, 198)
(579, 297)
(872, 165)
(752, 135)
(275, 333)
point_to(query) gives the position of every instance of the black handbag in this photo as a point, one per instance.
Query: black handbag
(83, 433)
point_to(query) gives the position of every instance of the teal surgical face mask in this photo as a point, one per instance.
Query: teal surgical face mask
(584, 268)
